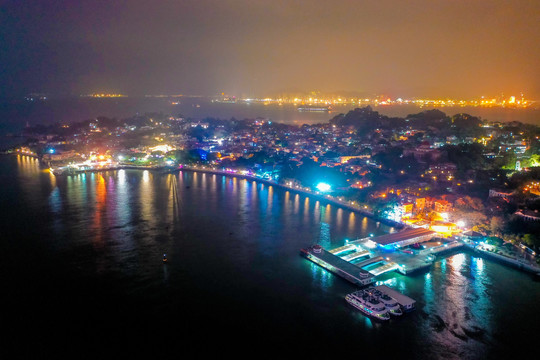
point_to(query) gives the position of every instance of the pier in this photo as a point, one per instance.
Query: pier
(338, 266)
(355, 272)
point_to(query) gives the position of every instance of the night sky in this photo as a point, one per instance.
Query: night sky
(253, 48)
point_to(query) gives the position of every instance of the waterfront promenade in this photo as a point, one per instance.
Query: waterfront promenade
(512, 261)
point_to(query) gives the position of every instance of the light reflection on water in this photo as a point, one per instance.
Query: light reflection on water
(351, 222)
(364, 225)
(321, 277)
(339, 217)
(306, 210)
(99, 225)
(270, 201)
(147, 198)
(325, 236)
(173, 199)
(428, 289)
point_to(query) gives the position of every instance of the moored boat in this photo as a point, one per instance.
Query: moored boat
(390, 303)
(368, 305)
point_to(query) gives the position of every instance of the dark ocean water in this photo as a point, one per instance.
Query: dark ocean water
(14, 115)
(82, 275)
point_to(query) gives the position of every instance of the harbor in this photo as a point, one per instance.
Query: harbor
(284, 287)
(406, 252)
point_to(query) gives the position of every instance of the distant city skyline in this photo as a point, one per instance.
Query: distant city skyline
(458, 49)
(318, 96)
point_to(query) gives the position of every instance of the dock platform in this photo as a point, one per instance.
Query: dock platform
(338, 266)
(406, 302)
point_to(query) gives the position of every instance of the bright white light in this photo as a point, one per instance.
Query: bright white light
(370, 244)
(323, 187)
(461, 223)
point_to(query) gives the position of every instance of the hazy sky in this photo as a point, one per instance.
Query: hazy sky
(401, 48)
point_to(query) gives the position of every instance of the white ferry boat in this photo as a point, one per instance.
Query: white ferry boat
(314, 108)
(390, 303)
(369, 305)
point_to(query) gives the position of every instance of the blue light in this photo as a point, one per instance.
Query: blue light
(51, 151)
(323, 187)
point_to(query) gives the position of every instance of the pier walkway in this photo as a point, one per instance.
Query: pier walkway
(389, 266)
(367, 262)
(342, 249)
(338, 266)
(355, 255)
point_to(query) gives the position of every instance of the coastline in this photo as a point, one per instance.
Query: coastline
(319, 197)
(511, 262)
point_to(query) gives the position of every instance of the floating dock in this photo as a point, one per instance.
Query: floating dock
(406, 302)
(338, 266)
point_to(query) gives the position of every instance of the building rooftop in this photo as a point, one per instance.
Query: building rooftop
(405, 235)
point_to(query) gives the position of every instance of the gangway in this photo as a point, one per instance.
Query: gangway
(384, 268)
(355, 255)
(342, 249)
(370, 261)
